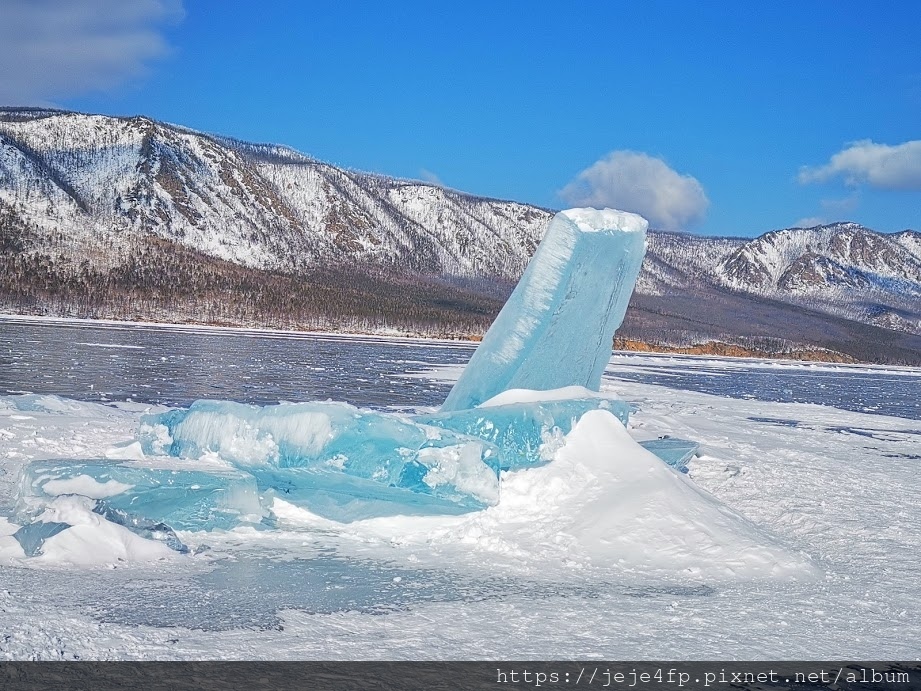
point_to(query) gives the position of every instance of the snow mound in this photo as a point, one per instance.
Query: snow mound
(92, 540)
(603, 503)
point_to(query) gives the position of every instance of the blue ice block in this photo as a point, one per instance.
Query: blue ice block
(200, 497)
(525, 433)
(337, 438)
(557, 328)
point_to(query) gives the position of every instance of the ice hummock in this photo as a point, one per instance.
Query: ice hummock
(557, 327)
(218, 464)
(534, 377)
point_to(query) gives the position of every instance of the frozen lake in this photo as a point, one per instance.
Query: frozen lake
(824, 457)
(176, 365)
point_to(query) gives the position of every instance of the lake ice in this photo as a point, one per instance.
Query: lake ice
(836, 486)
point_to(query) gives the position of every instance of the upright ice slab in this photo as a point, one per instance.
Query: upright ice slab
(558, 326)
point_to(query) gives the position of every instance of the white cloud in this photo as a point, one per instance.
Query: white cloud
(842, 206)
(430, 177)
(810, 222)
(634, 181)
(52, 49)
(890, 167)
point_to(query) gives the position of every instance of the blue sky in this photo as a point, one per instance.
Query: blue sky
(723, 118)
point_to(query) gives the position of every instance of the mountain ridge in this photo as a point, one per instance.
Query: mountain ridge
(97, 202)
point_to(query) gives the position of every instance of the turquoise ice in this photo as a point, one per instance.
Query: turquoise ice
(557, 328)
(186, 496)
(332, 446)
(526, 433)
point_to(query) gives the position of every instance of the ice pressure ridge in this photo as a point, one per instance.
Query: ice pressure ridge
(537, 372)
(218, 463)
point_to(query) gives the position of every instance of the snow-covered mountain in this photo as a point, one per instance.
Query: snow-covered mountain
(841, 268)
(92, 204)
(264, 207)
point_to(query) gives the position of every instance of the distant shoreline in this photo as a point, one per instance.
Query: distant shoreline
(228, 328)
(723, 349)
(719, 349)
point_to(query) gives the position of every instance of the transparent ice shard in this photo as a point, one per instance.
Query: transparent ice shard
(526, 433)
(557, 328)
(195, 497)
(675, 452)
(336, 442)
(31, 537)
(141, 525)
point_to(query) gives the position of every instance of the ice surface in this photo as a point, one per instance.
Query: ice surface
(821, 491)
(557, 327)
(526, 433)
(334, 447)
(200, 497)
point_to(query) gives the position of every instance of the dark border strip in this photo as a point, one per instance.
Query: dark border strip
(498, 676)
